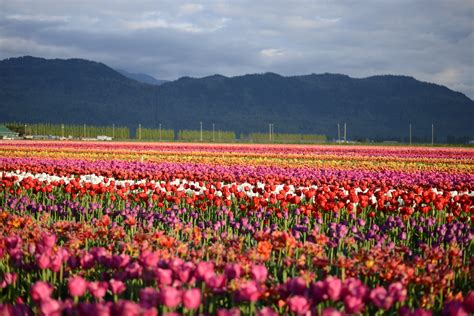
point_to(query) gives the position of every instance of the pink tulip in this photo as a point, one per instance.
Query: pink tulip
(10, 278)
(228, 312)
(331, 312)
(126, 308)
(77, 286)
(48, 240)
(149, 259)
(216, 281)
(333, 288)
(41, 291)
(353, 305)
(50, 307)
(381, 298)
(150, 312)
(192, 298)
(259, 273)
(117, 287)
(397, 291)
(184, 273)
(267, 311)
(98, 289)
(298, 304)
(205, 270)
(170, 297)
(164, 276)
(248, 292)
(43, 261)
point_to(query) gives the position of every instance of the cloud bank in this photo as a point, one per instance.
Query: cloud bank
(428, 39)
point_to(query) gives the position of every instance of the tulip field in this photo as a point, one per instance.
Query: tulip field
(117, 228)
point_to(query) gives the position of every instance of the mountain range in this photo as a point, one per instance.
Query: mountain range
(77, 91)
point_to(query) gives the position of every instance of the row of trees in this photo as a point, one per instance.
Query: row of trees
(154, 134)
(207, 136)
(143, 133)
(283, 138)
(66, 130)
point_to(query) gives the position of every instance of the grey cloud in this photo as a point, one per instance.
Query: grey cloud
(429, 39)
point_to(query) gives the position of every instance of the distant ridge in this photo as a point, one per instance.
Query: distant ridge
(378, 107)
(141, 77)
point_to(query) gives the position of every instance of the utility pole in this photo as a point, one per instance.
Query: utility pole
(338, 132)
(432, 134)
(201, 130)
(140, 131)
(160, 131)
(410, 133)
(84, 130)
(273, 132)
(345, 132)
(113, 130)
(25, 129)
(62, 130)
(213, 127)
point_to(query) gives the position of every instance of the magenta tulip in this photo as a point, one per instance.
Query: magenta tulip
(259, 273)
(77, 286)
(41, 291)
(192, 298)
(170, 297)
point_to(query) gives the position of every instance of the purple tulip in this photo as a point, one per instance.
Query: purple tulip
(232, 271)
(381, 298)
(149, 297)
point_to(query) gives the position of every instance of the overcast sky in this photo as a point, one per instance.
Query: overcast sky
(430, 40)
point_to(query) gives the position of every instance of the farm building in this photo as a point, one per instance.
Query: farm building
(6, 133)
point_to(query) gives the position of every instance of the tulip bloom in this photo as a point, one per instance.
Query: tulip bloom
(259, 273)
(77, 286)
(298, 304)
(170, 297)
(192, 298)
(117, 287)
(41, 291)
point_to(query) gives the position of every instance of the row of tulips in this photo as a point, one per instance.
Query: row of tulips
(446, 160)
(420, 153)
(282, 197)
